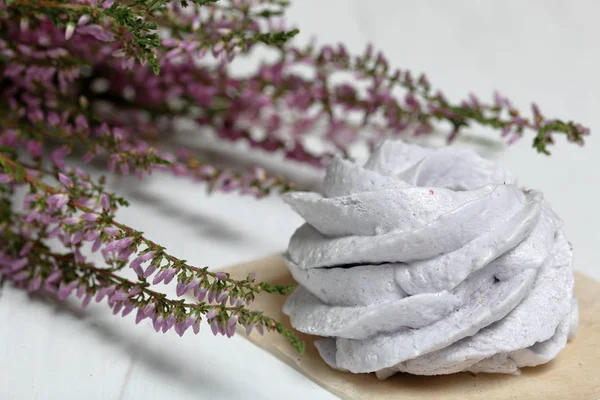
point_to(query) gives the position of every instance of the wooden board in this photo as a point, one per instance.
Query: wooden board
(574, 374)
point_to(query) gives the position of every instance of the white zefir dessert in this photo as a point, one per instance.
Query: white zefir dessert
(429, 262)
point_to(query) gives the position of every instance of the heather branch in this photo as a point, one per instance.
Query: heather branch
(127, 153)
(64, 273)
(25, 258)
(422, 104)
(135, 24)
(245, 289)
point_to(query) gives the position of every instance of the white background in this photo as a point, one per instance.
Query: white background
(545, 51)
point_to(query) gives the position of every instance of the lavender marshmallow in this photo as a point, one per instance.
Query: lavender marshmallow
(429, 262)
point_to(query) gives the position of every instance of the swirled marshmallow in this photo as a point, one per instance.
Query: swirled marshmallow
(429, 262)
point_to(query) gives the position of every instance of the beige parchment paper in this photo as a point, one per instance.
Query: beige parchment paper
(574, 374)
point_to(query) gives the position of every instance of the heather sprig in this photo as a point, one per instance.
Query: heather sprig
(124, 150)
(421, 105)
(32, 265)
(322, 105)
(81, 206)
(134, 26)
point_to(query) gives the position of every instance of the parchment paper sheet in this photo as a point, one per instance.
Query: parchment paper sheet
(575, 374)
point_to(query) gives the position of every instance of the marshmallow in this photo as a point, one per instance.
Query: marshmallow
(429, 262)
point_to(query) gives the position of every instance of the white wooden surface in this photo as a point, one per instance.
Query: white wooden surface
(536, 50)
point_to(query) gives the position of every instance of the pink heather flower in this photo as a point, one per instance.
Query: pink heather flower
(79, 258)
(18, 264)
(127, 309)
(58, 200)
(54, 276)
(143, 258)
(211, 296)
(171, 320)
(111, 231)
(34, 147)
(214, 327)
(169, 274)
(80, 291)
(211, 314)
(221, 276)
(65, 289)
(514, 139)
(77, 237)
(97, 244)
(65, 180)
(230, 331)
(519, 121)
(149, 310)
(195, 23)
(83, 20)
(105, 202)
(165, 326)
(120, 244)
(222, 297)
(55, 232)
(249, 329)
(259, 329)
(137, 268)
(182, 288)
(119, 295)
(172, 53)
(117, 308)
(140, 315)
(158, 323)
(232, 320)
(71, 220)
(125, 253)
(20, 276)
(102, 292)
(5, 178)
(90, 217)
(158, 278)
(35, 284)
(65, 239)
(25, 249)
(200, 293)
(196, 326)
(181, 327)
(69, 31)
(149, 271)
(97, 32)
(193, 284)
(91, 235)
(86, 300)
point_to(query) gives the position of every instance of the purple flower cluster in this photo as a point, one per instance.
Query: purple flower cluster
(36, 267)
